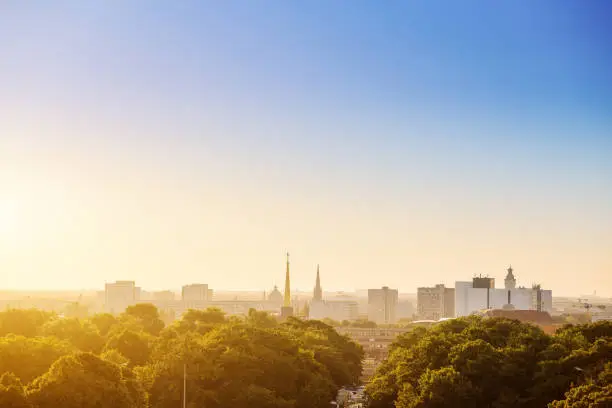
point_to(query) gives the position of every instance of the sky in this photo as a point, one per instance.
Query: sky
(403, 143)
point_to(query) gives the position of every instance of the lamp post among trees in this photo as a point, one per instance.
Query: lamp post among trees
(184, 385)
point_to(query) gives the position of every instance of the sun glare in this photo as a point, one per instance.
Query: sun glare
(8, 217)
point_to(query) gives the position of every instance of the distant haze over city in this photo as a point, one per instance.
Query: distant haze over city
(403, 149)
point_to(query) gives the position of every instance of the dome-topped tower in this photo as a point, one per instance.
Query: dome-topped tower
(276, 296)
(510, 281)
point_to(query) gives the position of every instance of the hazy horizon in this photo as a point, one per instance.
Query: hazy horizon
(402, 146)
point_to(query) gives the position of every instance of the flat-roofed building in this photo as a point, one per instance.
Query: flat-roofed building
(119, 295)
(382, 305)
(435, 302)
(195, 292)
(338, 310)
(478, 295)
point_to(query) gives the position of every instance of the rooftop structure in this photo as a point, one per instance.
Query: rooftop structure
(510, 281)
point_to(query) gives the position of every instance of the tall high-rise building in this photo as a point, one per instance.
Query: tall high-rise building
(382, 305)
(318, 291)
(435, 303)
(287, 309)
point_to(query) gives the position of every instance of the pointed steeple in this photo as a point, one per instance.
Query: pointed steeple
(318, 291)
(287, 299)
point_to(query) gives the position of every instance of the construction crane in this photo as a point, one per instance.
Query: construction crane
(585, 304)
(588, 306)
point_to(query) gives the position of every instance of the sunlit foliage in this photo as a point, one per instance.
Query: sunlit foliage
(474, 362)
(133, 360)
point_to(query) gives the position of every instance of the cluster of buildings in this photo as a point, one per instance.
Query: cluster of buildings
(433, 303)
(480, 294)
(382, 303)
(121, 294)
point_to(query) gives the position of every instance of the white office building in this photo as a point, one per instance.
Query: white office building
(481, 294)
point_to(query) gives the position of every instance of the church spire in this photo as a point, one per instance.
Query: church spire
(287, 300)
(318, 292)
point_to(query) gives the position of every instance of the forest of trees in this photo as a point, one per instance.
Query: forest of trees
(476, 363)
(133, 360)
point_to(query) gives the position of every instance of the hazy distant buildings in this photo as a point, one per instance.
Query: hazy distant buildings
(382, 305)
(338, 310)
(163, 295)
(119, 295)
(481, 294)
(405, 310)
(435, 302)
(196, 292)
(276, 297)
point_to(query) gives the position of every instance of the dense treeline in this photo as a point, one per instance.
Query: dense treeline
(133, 361)
(476, 362)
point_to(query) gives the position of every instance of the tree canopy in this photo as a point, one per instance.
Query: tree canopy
(495, 362)
(134, 360)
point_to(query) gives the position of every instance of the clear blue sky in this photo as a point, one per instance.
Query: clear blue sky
(401, 143)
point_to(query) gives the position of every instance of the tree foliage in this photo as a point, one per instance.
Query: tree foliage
(132, 360)
(131, 344)
(476, 362)
(82, 334)
(147, 316)
(83, 380)
(104, 322)
(12, 392)
(595, 393)
(28, 358)
(23, 322)
(231, 359)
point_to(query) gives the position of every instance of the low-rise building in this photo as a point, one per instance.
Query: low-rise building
(195, 292)
(338, 310)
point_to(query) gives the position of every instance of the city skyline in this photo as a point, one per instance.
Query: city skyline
(402, 146)
(316, 290)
